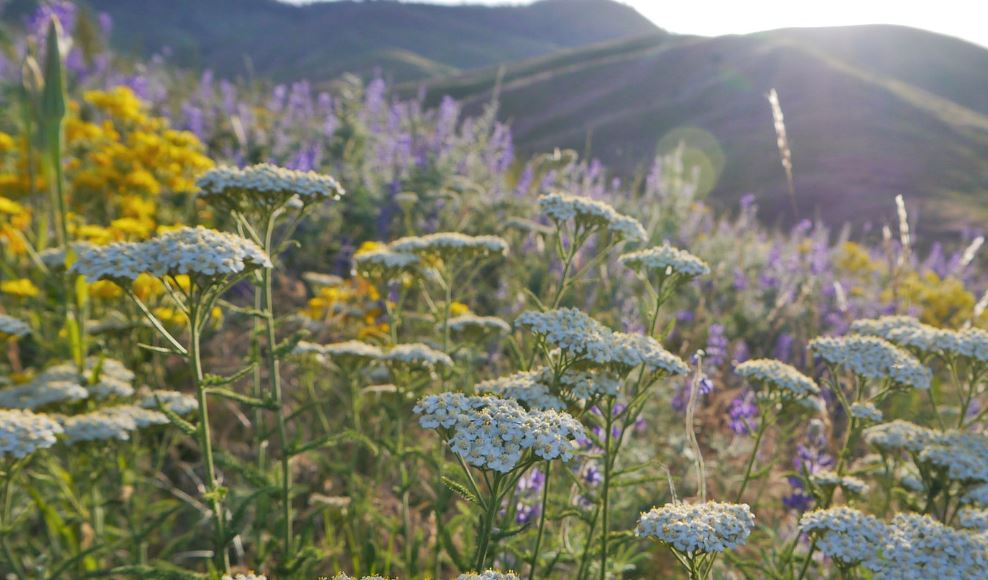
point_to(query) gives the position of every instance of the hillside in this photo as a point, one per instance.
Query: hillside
(320, 41)
(864, 125)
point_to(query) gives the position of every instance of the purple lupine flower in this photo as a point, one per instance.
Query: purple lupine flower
(716, 348)
(531, 482)
(740, 280)
(783, 347)
(525, 181)
(591, 475)
(63, 10)
(527, 513)
(194, 120)
(798, 500)
(681, 398)
(741, 413)
(640, 424)
(740, 351)
(747, 201)
(105, 24)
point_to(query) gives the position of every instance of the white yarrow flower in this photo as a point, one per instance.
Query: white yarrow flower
(265, 185)
(665, 261)
(590, 215)
(866, 412)
(873, 358)
(845, 534)
(703, 528)
(10, 326)
(23, 432)
(778, 376)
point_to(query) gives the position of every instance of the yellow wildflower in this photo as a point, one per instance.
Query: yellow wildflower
(20, 287)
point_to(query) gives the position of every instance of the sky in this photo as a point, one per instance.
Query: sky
(961, 18)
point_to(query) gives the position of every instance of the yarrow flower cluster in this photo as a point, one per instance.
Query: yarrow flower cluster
(977, 495)
(416, 355)
(845, 534)
(109, 423)
(963, 455)
(582, 338)
(586, 384)
(917, 546)
(665, 261)
(829, 479)
(898, 436)
(41, 392)
(973, 519)
(62, 383)
(488, 575)
(909, 546)
(494, 433)
(904, 331)
(265, 184)
(873, 358)
(13, 327)
(383, 263)
(471, 324)
(174, 401)
(705, 528)
(866, 412)
(248, 576)
(779, 377)
(23, 432)
(590, 215)
(971, 343)
(527, 387)
(908, 332)
(347, 353)
(446, 245)
(190, 251)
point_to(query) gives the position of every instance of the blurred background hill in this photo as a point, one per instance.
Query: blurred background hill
(871, 111)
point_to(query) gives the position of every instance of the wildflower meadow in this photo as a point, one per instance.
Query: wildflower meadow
(282, 331)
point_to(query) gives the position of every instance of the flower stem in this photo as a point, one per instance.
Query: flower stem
(762, 427)
(205, 441)
(544, 508)
(608, 421)
(274, 376)
(18, 570)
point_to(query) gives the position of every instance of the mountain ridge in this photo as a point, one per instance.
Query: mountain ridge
(404, 41)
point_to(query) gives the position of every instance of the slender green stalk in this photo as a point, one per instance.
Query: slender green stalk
(274, 377)
(8, 552)
(213, 493)
(486, 524)
(544, 508)
(605, 497)
(762, 427)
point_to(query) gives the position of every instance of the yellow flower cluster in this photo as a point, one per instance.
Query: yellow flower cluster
(942, 302)
(19, 287)
(14, 219)
(353, 301)
(120, 154)
(854, 258)
(20, 169)
(120, 159)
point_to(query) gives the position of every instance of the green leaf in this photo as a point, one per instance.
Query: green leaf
(218, 380)
(161, 349)
(334, 440)
(53, 94)
(241, 398)
(500, 535)
(182, 425)
(460, 490)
